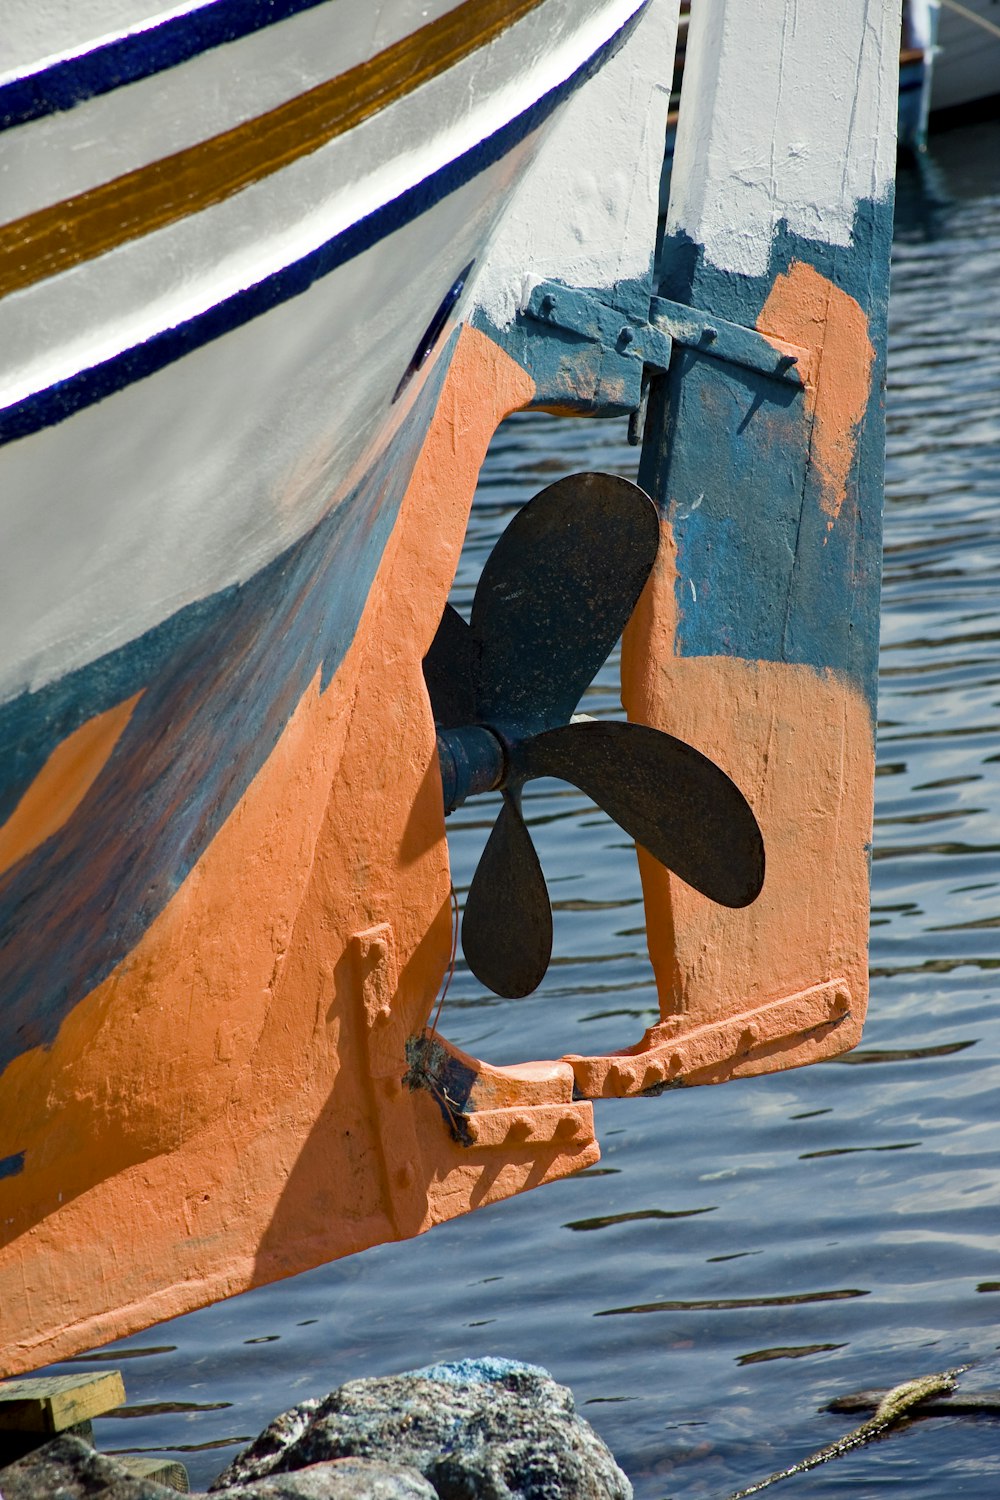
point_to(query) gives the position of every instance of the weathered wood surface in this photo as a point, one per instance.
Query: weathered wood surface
(54, 1403)
(165, 1471)
(756, 640)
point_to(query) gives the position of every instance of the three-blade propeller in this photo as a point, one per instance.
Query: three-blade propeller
(553, 599)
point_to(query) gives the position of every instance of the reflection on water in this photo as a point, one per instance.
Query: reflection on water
(902, 1054)
(121, 1351)
(723, 1210)
(640, 1213)
(161, 1408)
(725, 1304)
(760, 1356)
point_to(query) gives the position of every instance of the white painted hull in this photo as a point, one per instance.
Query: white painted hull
(967, 62)
(193, 477)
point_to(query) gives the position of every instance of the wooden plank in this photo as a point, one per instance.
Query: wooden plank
(779, 621)
(52, 1403)
(165, 1471)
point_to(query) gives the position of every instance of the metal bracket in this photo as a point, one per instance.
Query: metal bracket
(608, 372)
(651, 344)
(576, 312)
(730, 342)
(377, 968)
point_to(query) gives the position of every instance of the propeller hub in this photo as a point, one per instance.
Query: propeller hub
(472, 760)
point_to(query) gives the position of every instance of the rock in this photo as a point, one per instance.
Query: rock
(69, 1469)
(486, 1429)
(340, 1479)
(284, 1430)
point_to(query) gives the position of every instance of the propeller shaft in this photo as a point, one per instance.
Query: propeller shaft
(472, 760)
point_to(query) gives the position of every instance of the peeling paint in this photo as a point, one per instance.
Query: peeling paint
(805, 307)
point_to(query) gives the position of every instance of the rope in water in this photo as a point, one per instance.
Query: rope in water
(893, 1407)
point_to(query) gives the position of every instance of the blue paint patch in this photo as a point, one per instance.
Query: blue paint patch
(572, 373)
(449, 1081)
(772, 580)
(57, 402)
(860, 268)
(10, 1166)
(220, 681)
(492, 1369)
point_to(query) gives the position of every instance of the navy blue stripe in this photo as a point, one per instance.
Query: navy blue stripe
(56, 403)
(129, 58)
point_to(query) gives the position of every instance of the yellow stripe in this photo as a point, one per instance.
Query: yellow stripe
(79, 228)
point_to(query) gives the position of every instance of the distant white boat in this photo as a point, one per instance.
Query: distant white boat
(949, 61)
(967, 61)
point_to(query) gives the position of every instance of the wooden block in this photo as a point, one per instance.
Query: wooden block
(52, 1403)
(165, 1471)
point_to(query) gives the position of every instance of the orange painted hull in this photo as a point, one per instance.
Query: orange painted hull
(235, 1102)
(240, 478)
(256, 1073)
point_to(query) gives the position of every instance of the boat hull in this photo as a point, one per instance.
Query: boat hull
(224, 887)
(967, 63)
(227, 1105)
(237, 508)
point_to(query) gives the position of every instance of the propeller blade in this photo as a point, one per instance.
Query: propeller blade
(448, 672)
(507, 927)
(555, 594)
(669, 797)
